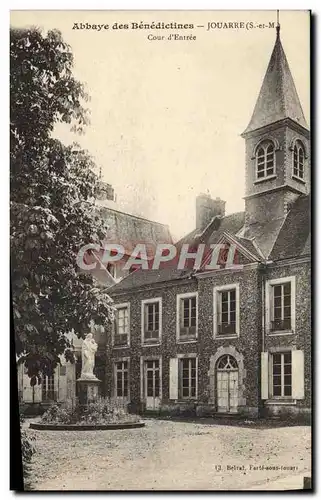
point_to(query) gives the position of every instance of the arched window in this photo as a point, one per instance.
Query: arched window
(298, 160)
(265, 160)
(227, 362)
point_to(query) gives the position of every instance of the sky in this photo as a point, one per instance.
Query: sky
(166, 116)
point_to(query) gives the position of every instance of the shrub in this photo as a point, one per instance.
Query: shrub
(102, 411)
(27, 444)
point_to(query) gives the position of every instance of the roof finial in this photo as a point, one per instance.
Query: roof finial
(277, 24)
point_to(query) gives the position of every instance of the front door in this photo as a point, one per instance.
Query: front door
(152, 384)
(227, 384)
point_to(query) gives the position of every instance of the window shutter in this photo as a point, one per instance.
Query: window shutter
(62, 384)
(71, 380)
(264, 375)
(38, 393)
(298, 374)
(56, 376)
(27, 389)
(173, 378)
(181, 313)
(145, 317)
(218, 318)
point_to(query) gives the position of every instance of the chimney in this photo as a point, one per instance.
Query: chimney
(207, 208)
(105, 192)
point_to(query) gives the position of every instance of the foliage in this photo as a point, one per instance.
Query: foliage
(103, 411)
(53, 188)
(27, 444)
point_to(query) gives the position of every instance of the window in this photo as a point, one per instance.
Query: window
(226, 310)
(281, 311)
(151, 321)
(281, 305)
(121, 326)
(187, 316)
(121, 379)
(48, 388)
(187, 370)
(298, 160)
(282, 374)
(152, 379)
(265, 160)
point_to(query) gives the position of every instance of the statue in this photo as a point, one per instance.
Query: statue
(88, 350)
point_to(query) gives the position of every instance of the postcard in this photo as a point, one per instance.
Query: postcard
(160, 177)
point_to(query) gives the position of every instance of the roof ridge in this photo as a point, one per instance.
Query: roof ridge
(132, 215)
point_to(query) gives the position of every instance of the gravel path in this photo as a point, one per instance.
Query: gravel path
(168, 455)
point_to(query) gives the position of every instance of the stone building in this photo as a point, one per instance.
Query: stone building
(126, 229)
(233, 340)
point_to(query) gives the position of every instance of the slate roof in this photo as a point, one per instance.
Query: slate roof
(231, 223)
(278, 98)
(288, 237)
(141, 278)
(214, 230)
(294, 236)
(265, 234)
(129, 230)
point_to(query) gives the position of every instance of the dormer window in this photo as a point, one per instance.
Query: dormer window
(265, 160)
(298, 160)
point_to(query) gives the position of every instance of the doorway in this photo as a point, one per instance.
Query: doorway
(227, 381)
(152, 384)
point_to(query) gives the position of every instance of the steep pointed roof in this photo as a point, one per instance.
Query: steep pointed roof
(278, 98)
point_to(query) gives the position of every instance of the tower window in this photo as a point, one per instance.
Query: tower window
(265, 160)
(298, 160)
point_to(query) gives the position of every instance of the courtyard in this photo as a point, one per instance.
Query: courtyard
(172, 455)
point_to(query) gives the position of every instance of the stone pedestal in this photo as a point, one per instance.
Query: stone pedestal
(88, 390)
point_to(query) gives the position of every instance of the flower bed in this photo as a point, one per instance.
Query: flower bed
(101, 414)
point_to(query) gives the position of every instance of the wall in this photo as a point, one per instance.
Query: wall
(301, 338)
(246, 346)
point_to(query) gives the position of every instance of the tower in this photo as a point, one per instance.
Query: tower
(277, 143)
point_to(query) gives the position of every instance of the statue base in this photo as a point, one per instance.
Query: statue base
(88, 390)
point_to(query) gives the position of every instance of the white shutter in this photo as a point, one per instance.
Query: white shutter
(38, 393)
(62, 385)
(181, 313)
(298, 374)
(264, 375)
(27, 395)
(56, 376)
(71, 380)
(173, 378)
(145, 318)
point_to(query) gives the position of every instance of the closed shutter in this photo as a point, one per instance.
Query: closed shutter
(145, 319)
(27, 395)
(56, 383)
(173, 378)
(71, 380)
(264, 375)
(298, 374)
(62, 385)
(181, 314)
(218, 318)
(38, 393)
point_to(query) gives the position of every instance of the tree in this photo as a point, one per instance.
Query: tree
(52, 212)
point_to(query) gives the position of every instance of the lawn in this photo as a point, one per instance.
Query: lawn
(167, 455)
